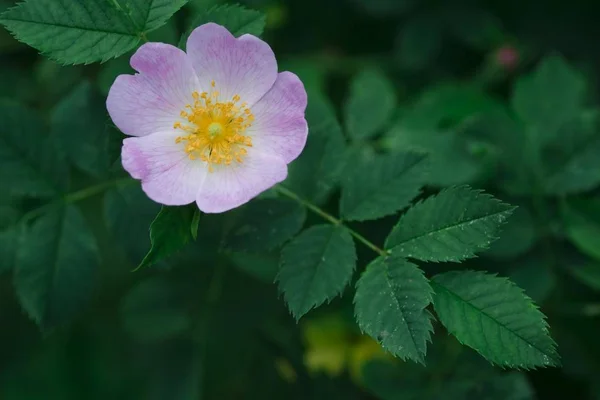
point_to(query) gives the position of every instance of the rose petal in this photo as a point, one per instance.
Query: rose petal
(230, 186)
(245, 66)
(279, 126)
(168, 175)
(152, 100)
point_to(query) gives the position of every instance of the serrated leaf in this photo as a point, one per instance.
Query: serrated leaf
(237, 19)
(494, 317)
(265, 224)
(55, 267)
(85, 31)
(549, 97)
(170, 231)
(383, 185)
(315, 267)
(318, 170)
(451, 226)
(154, 310)
(128, 213)
(582, 225)
(80, 124)
(391, 297)
(370, 105)
(30, 162)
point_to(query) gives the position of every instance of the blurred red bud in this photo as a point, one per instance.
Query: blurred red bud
(507, 57)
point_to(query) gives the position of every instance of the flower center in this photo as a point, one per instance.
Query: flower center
(214, 129)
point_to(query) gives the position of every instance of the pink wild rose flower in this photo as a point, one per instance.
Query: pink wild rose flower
(216, 125)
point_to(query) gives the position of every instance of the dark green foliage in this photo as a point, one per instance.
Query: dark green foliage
(391, 297)
(315, 267)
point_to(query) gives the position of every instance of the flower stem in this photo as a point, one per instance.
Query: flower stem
(330, 218)
(74, 197)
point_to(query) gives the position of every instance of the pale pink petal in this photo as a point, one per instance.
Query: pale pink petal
(152, 100)
(245, 66)
(279, 126)
(230, 186)
(168, 175)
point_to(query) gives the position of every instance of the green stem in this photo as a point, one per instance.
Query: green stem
(330, 218)
(74, 197)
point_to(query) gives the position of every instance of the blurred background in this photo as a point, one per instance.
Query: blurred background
(209, 324)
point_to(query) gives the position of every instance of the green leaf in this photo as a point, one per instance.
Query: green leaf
(419, 42)
(382, 185)
(582, 225)
(80, 124)
(549, 97)
(55, 268)
(265, 224)
(154, 310)
(30, 162)
(10, 232)
(318, 170)
(391, 297)
(493, 316)
(263, 267)
(571, 160)
(237, 19)
(315, 267)
(86, 31)
(435, 125)
(451, 226)
(587, 273)
(170, 231)
(128, 213)
(370, 105)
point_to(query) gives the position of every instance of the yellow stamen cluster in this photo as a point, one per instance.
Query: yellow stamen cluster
(214, 128)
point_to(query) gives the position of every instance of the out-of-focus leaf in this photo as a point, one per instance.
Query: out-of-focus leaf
(177, 371)
(452, 226)
(262, 267)
(170, 231)
(30, 162)
(317, 171)
(315, 267)
(265, 224)
(391, 297)
(386, 7)
(9, 236)
(86, 31)
(128, 213)
(513, 332)
(475, 27)
(549, 98)
(534, 275)
(55, 267)
(419, 42)
(434, 124)
(155, 310)
(237, 19)
(370, 104)
(79, 122)
(383, 185)
(587, 273)
(516, 237)
(571, 161)
(582, 224)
